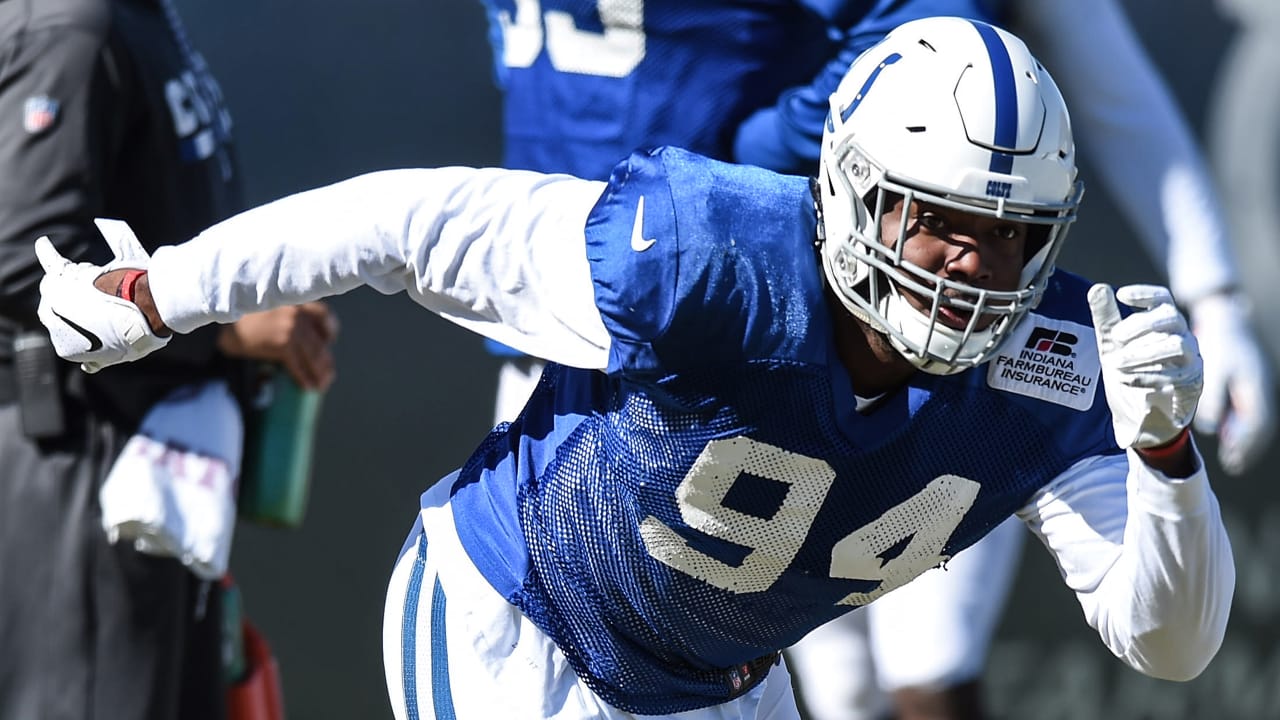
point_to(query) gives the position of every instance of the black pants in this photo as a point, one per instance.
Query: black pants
(88, 630)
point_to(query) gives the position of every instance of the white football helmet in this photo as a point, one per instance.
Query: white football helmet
(959, 114)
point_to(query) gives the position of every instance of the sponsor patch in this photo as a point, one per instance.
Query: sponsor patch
(1051, 360)
(39, 113)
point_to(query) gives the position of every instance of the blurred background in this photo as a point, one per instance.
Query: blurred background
(321, 90)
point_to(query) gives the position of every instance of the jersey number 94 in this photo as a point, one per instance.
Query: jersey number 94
(774, 542)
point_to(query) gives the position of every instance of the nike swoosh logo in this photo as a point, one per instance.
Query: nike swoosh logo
(95, 343)
(638, 243)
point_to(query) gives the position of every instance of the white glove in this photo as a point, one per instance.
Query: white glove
(1151, 364)
(1238, 390)
(87, 325)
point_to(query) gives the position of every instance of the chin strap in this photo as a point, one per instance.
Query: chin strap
(815, 191)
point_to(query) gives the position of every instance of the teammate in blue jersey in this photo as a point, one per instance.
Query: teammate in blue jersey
(771, 399)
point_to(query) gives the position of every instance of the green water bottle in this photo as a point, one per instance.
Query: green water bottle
(280, 431)
(234, 665)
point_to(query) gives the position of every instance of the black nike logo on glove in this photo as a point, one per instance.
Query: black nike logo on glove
(95, 343)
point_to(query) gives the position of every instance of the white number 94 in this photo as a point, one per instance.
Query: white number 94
(928, 518)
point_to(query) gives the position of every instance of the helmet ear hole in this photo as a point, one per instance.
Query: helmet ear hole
(1037, 238)
(890, 200)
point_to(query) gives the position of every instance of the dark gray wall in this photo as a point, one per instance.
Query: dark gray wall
(323, 90)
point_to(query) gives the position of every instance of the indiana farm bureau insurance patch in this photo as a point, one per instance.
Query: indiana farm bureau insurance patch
(1051, 360)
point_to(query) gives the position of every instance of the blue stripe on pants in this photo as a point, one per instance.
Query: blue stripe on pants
(441, 691)
(409, 630)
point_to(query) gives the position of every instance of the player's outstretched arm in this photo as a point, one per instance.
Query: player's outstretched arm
(500, 252)
(1148, 558)
(1140, 538)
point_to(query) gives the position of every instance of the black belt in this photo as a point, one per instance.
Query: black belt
(741, 678)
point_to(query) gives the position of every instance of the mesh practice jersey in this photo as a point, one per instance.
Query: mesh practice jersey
(692, 488)
(715, 495)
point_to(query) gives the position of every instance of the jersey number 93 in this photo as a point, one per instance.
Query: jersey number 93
(614, 53)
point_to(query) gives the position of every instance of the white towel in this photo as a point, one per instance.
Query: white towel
(172, 490)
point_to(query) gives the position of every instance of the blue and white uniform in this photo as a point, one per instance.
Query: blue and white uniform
(723, 385)
(692, 486)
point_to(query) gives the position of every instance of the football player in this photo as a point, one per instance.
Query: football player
(585, 83)
(771, 399)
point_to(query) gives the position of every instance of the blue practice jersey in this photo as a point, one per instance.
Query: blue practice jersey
(586, 83)
(715, 494)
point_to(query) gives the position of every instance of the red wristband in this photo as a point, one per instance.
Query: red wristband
(125, 290)
(1168, 449)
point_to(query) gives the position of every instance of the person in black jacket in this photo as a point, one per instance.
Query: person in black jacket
(106, 111)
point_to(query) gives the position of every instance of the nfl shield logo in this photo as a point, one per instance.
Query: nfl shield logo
(39, 113)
